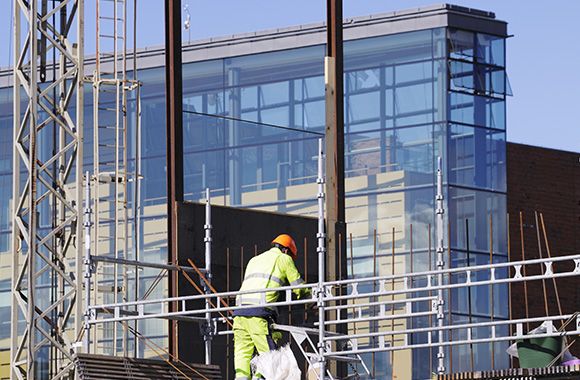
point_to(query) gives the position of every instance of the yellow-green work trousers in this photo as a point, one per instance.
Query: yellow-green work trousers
(250, 334)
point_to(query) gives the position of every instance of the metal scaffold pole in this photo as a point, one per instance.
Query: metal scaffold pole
(207, 240)
(440, 266)
(321, 249)
(88, 266)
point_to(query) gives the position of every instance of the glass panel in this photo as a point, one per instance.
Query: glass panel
(388, 50)
(310, 115)
(399, 157)
(311, 88)
(461, 75)
(478, 79)
(462, 44)
(245, 163)
(469, 215)
(266, 67)
(274, 93)
(477, 110)
(491, 49)
(277, 116)
(200, 77)
(249, 98)
(477, 157)
(363, 106)
(363, 79)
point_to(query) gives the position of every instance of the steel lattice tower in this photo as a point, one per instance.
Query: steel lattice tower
(47, 188)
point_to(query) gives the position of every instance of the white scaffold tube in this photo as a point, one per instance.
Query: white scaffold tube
(321, 249)
(87, 264)
(207, 241)
(440, 267)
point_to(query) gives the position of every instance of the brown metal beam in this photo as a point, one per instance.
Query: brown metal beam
(174, 141)
(335, 217)
(335, 208)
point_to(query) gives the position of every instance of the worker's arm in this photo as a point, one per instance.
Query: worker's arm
(293, 276)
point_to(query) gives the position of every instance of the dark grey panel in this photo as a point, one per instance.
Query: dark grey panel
(239, 230)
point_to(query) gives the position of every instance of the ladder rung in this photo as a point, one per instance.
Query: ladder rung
(109, 36)
(110, 18)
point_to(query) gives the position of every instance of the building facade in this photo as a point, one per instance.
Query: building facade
(418, 85)
(544, 214)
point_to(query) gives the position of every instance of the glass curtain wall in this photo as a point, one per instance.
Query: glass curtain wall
(476, 165)
(251, 125)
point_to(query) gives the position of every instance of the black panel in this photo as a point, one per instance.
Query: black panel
(244, 232)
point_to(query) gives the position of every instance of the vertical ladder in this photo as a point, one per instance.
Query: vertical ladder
(111, 176)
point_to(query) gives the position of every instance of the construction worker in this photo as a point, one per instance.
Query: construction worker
(269, 270)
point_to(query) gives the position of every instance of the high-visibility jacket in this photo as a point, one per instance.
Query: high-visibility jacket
(269, 270)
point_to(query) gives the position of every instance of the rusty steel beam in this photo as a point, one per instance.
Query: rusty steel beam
(334, 131)
(174, 140)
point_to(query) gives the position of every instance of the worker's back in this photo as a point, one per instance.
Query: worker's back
(269, 270)
(263, 272)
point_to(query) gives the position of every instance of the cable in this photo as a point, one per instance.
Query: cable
(253, 122)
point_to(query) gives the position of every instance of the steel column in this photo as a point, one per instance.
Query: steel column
(334, 96)
(333, 79)
(174, 141)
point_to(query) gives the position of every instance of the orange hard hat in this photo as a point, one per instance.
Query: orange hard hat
(287, 241)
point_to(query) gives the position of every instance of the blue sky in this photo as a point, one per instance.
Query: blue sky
(543, 56)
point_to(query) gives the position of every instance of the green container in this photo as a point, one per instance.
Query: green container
(539, 352)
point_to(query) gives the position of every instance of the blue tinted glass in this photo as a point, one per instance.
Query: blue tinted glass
(414, 104)
(462, 44)
(439, 43)
(274, 93)
(388, 50)
(199, 77)
(249, 97)
(243, 161)
(480, 295)
(363, 79)
(476, 157)
(477, 110)
(363, 106)
(309, 115)
(277, 115)
(312, 88)
(5, 194)
(6, 127)
(461, 75)
(477, 207)
(364, 126)
(266, 67)
(414, 153)
(491, 49)
(404, 156)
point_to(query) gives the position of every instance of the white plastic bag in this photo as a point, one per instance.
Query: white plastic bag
(277, 365)
(313, 372)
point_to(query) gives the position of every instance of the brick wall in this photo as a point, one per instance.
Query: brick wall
(545, 181)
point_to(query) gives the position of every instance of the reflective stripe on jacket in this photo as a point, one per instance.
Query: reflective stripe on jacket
(269, 270)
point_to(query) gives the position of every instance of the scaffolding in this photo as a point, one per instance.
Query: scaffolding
(395, 298)
(58, 262)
